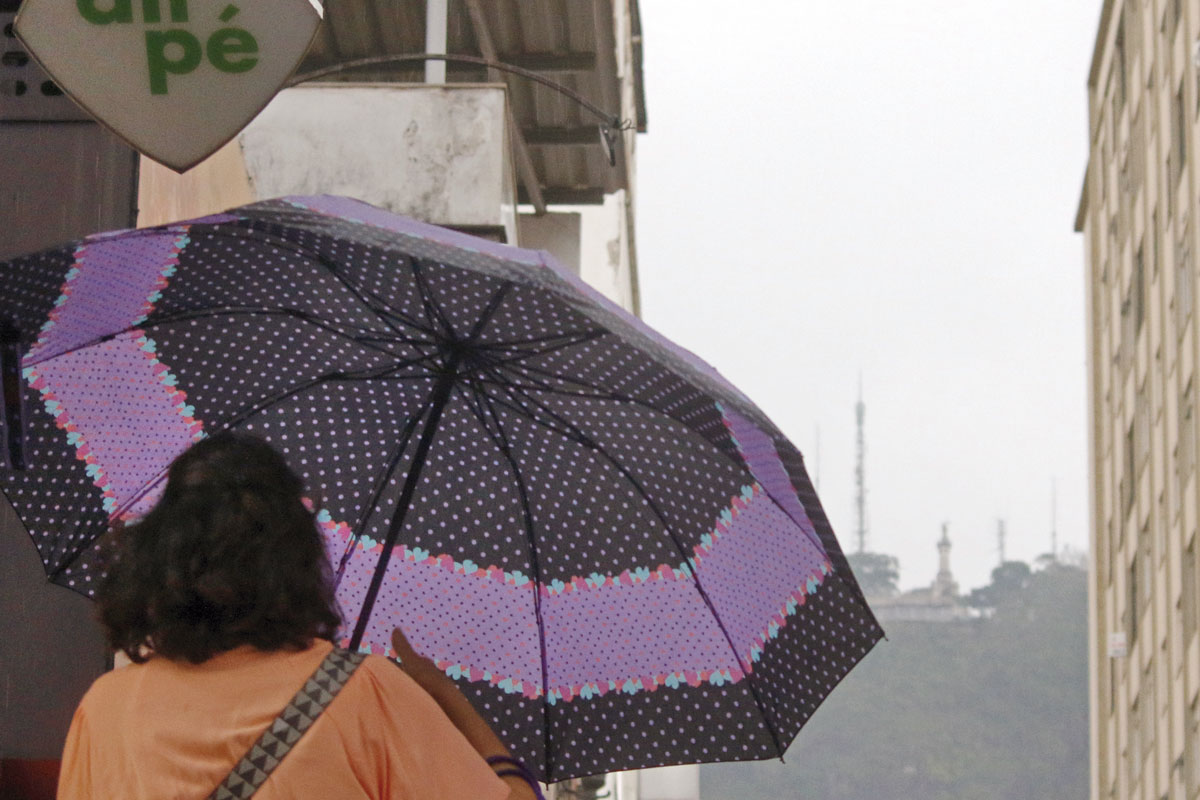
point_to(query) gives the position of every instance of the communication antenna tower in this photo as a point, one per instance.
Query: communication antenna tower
(817, 471)
(1054, 519)
(860, 499)
(1000, 539)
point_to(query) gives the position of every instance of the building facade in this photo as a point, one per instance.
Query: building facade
(1139, 216)
(485, 150)
(938, 602)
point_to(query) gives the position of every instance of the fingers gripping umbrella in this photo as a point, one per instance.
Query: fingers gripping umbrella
(615, 553)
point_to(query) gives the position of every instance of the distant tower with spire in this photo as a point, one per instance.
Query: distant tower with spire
(944, 585)
(1054, 519)
(860, 478)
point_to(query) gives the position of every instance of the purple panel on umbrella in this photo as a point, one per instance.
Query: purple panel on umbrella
(753, 564)
(761, 457)
(617, 632)
(126, 421)
(635, 631)
(112, 286)
(357, 211)
(450, 612)
(757, 564)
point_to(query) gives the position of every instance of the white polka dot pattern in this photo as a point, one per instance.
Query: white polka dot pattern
(617, 556)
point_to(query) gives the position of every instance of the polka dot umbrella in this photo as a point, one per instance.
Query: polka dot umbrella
(614, 552)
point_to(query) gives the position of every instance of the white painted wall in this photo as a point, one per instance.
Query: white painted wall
(669, 783)
(604, 249)
(436, 153)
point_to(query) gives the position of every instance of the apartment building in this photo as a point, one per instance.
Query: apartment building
(1140, 215)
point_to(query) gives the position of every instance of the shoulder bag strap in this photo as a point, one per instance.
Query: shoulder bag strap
(283, 733)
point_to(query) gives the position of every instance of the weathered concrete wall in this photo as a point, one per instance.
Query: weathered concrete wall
(669, 783)
(605, 262)
(436, 153)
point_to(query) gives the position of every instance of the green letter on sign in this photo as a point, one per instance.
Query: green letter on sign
(160, 65)
(152, 11)
(233, 42)
(121, 11)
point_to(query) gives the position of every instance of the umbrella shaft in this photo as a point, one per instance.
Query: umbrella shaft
(440, 397)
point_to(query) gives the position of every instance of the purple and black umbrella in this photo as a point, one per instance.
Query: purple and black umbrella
(616, 554)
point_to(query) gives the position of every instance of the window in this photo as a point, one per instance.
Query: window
(1112, 686)
(1141, 429)
(1103, 301)
(1121, 81)
(1155, 255)
(1146, 723)
(1128, 478)
(1131, 602)
(1183, 283)
(1128, 333)
(1147, 579)
(1135, 742)
(1178, 140)
(1114, 554)
(1187, 598)
(1138, 289)
(1185, 447)
(1191, 748)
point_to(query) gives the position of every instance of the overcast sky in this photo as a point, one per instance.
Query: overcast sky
(835, 189)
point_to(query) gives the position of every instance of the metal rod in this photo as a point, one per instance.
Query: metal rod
(436, 26)
(442, 392)
(613, 120)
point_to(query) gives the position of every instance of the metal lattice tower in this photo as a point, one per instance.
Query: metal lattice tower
(1000, 538)
(860, 499)
(1054, 519)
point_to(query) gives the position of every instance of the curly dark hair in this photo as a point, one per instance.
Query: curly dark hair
(229, 556)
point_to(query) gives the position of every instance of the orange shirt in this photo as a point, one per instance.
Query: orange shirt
(169, 730)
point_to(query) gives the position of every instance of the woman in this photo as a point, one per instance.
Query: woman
(221, 597)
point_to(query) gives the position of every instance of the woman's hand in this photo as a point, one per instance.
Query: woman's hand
(461, 713)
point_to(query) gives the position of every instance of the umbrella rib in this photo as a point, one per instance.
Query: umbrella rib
(381, 307)
(238, 417)
(541, 386)
(532, 371)
(561, 392)
(439, 398)
(502, 442)
(377, 492)
(580, 339)
(511, 343)
(209, 313)
(264, 228)
(595, 446)
(738, 463)
(427, 300)
(600, 392)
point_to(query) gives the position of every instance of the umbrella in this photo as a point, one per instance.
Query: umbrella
(616, 554)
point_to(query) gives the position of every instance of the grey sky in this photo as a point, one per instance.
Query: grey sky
(835, 188)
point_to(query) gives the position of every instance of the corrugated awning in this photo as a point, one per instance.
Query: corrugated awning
(572, 42)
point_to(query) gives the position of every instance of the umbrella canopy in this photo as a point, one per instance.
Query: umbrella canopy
(616, 554)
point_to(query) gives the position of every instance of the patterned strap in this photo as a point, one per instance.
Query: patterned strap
(283, 733)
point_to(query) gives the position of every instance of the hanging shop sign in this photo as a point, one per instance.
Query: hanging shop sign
(177, 79)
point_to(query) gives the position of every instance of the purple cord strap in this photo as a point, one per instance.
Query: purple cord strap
(515, 767)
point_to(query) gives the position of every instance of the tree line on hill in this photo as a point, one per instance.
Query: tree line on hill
(981, 709)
